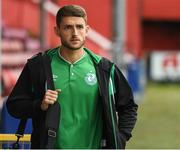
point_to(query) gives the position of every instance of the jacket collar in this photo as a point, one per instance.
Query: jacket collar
(96, 58)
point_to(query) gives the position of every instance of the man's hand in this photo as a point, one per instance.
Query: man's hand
(50, 98)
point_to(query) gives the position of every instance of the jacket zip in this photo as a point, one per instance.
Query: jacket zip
(111, 109)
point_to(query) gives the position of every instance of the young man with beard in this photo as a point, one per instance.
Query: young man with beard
(97, 109)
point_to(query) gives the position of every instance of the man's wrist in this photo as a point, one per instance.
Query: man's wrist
(44, 106)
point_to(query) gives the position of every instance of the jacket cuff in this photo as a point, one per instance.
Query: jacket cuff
(123, 139)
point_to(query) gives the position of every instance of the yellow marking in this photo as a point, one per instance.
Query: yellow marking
(12, 137)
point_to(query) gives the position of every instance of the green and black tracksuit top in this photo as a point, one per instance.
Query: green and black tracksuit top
(119, 110)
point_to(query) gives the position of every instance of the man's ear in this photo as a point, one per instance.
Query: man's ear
(87, 29)
(56, 31)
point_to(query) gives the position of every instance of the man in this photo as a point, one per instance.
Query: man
(97, 106)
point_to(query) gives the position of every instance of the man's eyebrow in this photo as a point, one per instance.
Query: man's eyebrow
(74, 24)
(79, 24)
(68, 25)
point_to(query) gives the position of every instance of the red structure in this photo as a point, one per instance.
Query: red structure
(153, 25)
(25, 14)
(150, 25)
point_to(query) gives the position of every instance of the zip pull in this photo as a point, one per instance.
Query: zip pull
(112, 89)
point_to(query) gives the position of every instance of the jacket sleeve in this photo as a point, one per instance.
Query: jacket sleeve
(125, 105)
(21, 102)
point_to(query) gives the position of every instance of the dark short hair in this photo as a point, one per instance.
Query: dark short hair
(70, 10)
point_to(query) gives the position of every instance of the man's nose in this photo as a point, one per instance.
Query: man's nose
(75, 31)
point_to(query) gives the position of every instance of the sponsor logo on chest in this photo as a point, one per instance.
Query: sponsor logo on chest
(90, 78)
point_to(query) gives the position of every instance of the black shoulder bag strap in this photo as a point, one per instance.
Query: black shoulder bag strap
(19, 133)
(53, 112)
(52, 115)
(21, 127)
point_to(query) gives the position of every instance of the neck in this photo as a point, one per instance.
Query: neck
(71, 55)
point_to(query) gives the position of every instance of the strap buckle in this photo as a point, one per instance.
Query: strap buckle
(51, 133)
(19, 135)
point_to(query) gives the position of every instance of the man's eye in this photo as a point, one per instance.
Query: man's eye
(80, 26)
(67, 27)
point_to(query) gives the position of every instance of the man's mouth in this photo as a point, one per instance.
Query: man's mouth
(75, 39)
